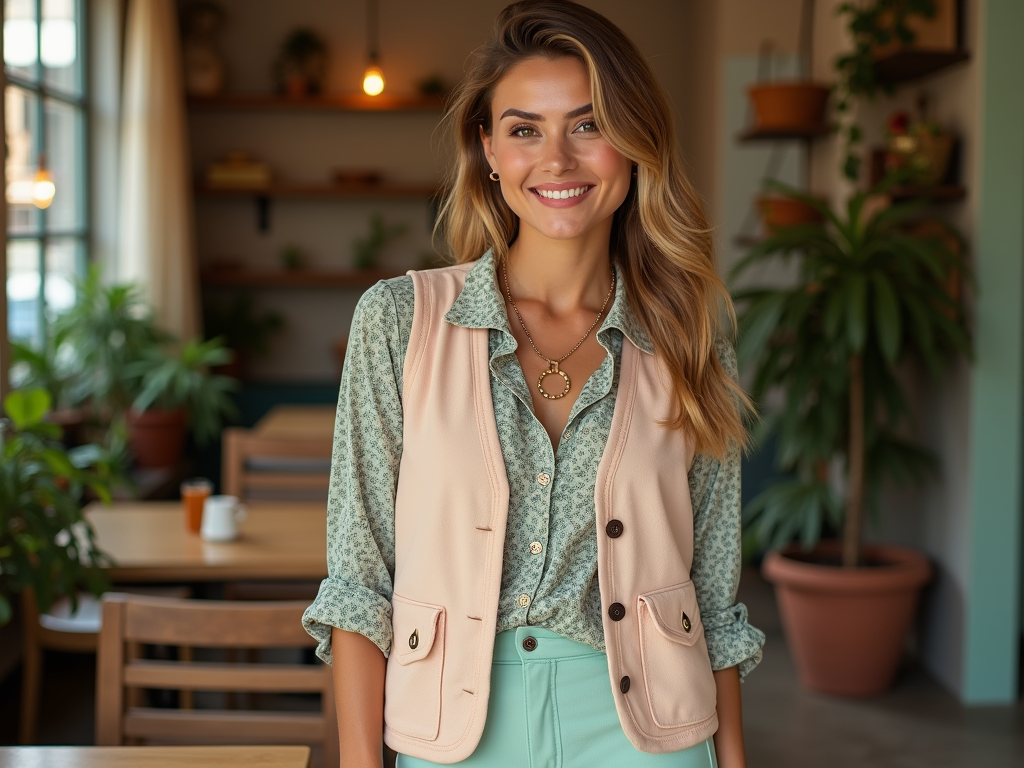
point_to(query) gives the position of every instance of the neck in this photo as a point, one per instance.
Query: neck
(563, 275)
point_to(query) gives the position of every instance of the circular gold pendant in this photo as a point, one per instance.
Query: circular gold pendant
(553, 370)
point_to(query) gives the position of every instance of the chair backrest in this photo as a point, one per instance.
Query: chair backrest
(130, 620)
(256, 466)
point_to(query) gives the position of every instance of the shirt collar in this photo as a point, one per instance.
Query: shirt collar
(482, 305)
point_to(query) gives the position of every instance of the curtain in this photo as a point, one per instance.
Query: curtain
(156, 247)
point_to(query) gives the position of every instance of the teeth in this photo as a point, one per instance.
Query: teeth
(563, 194)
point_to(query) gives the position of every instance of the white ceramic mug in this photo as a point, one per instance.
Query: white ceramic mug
(221, 516)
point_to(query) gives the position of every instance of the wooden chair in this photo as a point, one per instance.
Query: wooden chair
(204, 624)
(256, 466)
(62, 628)
(289, 468)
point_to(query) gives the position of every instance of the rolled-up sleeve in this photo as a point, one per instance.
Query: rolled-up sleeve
(356, 595)
(715, 495)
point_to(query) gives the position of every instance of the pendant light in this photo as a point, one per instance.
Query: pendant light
(373, 78)
(43, 188)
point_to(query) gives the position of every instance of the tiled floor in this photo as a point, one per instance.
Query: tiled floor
(916, 725)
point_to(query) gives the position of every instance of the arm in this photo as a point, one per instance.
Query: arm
(359, 697)
(729, 737)
(734, 646)
(351, 616)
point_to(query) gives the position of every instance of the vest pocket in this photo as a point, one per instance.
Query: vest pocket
(677, 672)
(412, 685)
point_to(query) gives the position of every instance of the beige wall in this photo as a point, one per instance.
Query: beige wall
(417, 39)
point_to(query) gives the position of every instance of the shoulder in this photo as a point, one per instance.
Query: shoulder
(385, 312)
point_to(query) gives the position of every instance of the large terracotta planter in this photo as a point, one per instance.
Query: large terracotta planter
(157, 436)
(789, 106)
(846, 627)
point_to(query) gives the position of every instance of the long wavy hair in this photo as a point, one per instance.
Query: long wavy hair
(660, 239)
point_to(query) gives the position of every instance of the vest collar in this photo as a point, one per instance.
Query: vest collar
(481, 304)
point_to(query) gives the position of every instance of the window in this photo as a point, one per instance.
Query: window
(45, 129)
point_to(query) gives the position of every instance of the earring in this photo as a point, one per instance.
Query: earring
(493, 176)
(634, 171)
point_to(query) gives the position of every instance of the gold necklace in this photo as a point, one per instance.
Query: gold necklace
(553, 368)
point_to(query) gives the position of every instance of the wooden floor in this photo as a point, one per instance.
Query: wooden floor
(916, 725)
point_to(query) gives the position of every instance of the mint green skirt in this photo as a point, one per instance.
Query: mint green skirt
(552, 708)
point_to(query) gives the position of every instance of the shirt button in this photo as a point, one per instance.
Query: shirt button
(568, 434)
(523, 601)
(614, 528)
(530, 644)
(543, 478)
(536, 548)
(617, 611)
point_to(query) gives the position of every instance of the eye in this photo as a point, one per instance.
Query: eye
(523, 131)
(587, 126)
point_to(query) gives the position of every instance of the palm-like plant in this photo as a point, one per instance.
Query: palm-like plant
(183, 380)
(868, 293)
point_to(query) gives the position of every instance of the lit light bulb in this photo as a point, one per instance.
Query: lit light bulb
(43, 189)
(373, 81)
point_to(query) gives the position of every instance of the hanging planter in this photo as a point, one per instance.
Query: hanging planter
(797, 106)
(779, 212)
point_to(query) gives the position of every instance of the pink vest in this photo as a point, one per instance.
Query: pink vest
(450, 516)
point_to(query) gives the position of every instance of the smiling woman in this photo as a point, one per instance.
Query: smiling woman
(569, 599)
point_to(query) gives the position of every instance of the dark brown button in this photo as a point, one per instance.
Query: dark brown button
(614, 528)
(686, 623)
(617, 611)
(414, 639)
(624, 684)
(530, 644)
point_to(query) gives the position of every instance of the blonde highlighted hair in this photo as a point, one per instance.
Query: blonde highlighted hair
(660, 239)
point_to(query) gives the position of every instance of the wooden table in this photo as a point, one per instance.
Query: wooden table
(148, 542)
(297, 421)
(154, 757)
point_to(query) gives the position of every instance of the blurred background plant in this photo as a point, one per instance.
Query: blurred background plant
(46, 545)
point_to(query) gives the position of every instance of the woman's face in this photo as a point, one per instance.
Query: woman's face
(558, 173)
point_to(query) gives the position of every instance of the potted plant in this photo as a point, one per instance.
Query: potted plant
(245, 331)
(867, 296)
(51, 367)
(875, 28)
(175, 390)
(45, 543)
(301, 67)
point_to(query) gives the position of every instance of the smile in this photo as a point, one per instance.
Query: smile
(561, 194)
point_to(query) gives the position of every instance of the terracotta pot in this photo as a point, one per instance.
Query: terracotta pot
(846, 627)
(157, 436)
(781, 212)
(788, 106)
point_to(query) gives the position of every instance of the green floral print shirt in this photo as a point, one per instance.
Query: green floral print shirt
(550, 550)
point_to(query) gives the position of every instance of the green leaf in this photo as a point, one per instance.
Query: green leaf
(888, 323)
(27, 408)
(856, 312)
(5, 610)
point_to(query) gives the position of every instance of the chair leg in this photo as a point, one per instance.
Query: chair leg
(31, 680)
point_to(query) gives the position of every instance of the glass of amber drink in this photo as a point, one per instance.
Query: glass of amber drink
(194, 492)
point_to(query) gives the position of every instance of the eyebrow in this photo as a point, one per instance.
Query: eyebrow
(578, 112)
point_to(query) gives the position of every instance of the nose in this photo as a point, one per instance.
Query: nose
(558, 155)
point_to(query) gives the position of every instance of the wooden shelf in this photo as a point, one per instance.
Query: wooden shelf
(776, 134)
(312, 191)
(298, 278)
(910, 64)
(354, 102)
(938, 192)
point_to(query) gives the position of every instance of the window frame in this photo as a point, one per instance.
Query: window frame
(80, 103)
